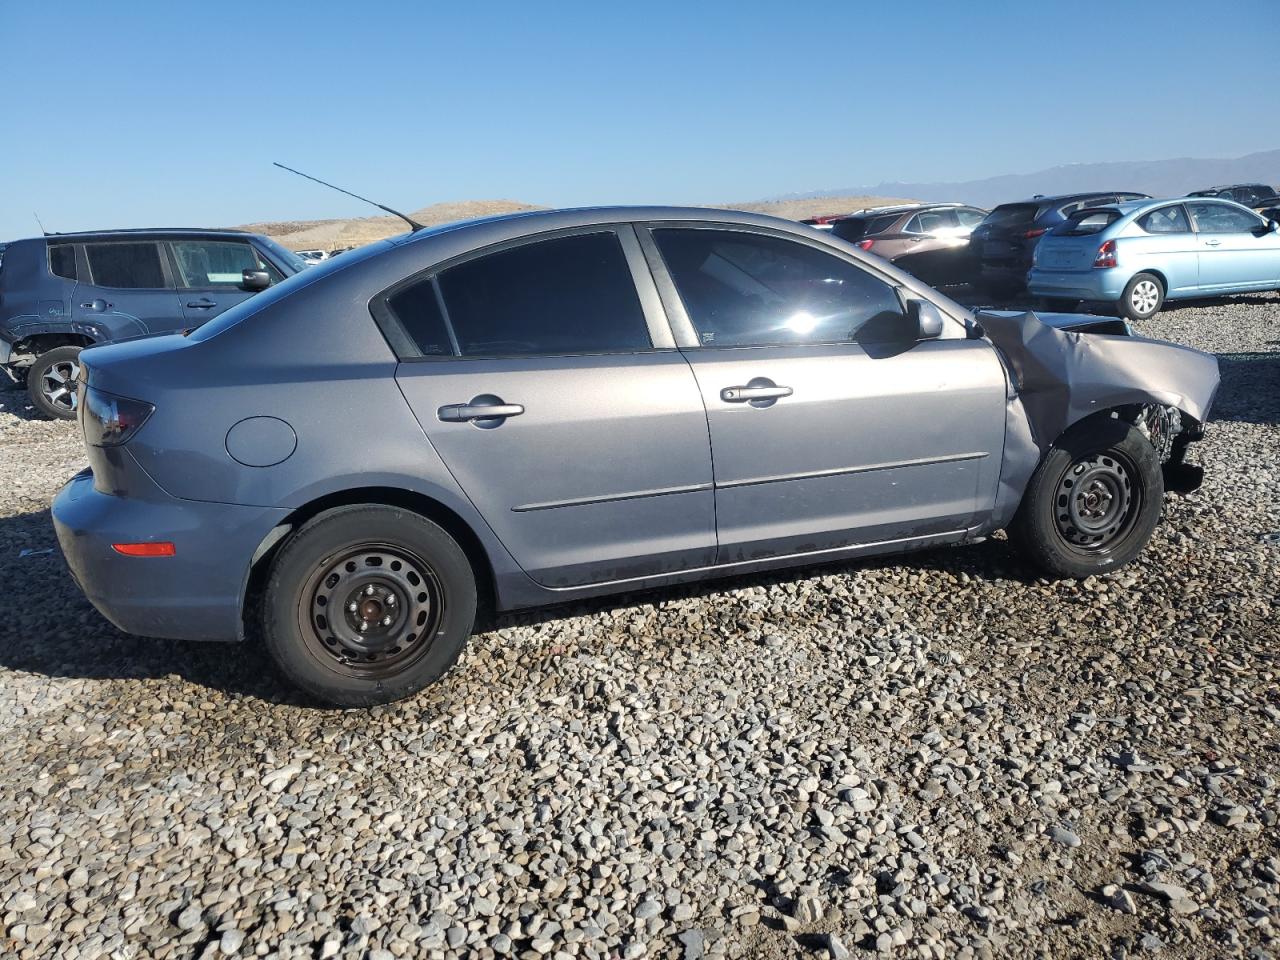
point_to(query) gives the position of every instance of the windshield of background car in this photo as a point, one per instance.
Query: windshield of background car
(1084, 222)
(287, 257)
(1012, 215)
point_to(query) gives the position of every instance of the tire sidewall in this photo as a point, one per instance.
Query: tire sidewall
(1126, 305)
(1035, 529)
(35, 375)
(329, 533)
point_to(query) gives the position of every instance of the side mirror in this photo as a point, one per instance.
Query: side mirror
(928, 319)
(1273, 226)
(254, 280)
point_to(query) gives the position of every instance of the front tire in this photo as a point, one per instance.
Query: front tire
(368, 604)
(1142, 298)
(1093, 502)
(51, 383)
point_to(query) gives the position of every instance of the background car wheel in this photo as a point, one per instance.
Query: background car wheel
(1093, 503)
(51, 383)
(1142, 298)
(368, 604)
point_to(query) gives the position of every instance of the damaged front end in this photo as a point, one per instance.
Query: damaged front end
(1064, 368)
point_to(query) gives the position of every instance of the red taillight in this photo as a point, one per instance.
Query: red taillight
(866, 244)
(153, 548)
(1106, 255)
(1032, 234)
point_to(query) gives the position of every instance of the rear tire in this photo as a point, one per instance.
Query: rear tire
(1093, 502)
(51, 383)
(368, 604)
(1142, 298)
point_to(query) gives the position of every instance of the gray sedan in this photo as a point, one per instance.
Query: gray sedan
(539, 407)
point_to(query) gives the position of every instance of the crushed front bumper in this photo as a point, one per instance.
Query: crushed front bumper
(195, 594)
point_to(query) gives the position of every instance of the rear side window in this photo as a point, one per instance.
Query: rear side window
(1165, 220)
(969, 218)
(62, 260)
(214, 263)
(566, 295)
(125, 265)
(418, 310)
(745, 289)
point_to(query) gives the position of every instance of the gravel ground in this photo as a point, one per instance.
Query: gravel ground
(936, 757)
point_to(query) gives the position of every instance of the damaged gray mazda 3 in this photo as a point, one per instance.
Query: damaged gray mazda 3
(533, 408)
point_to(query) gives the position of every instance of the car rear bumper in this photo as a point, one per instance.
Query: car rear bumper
(196, 594)
(1104, 285)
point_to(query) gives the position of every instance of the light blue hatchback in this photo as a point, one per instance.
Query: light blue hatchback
(1138, 254)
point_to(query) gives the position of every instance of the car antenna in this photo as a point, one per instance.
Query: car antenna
(42, 229)
(407, 219)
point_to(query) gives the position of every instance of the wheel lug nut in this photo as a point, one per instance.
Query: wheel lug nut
(364, 626)
(353, 606)
(391, 600)
(368, 591)
(386, 621)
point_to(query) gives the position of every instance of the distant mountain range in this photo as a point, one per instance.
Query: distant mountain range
(1160, 178)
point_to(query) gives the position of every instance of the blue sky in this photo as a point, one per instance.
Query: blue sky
(136, 113)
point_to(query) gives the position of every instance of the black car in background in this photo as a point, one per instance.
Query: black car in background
(1001, 246)
(1249, 194)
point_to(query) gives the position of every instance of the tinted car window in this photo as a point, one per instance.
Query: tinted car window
(125, 264)
(881, 224)
(418, 310)
(745, 289)
(1084, 222)
(214, 263)
(850, 228)
(1165, 220)
(1219, 218)
(568, 295)
(934, 221)
(969, 218)
(62, 260)
(1012, 214)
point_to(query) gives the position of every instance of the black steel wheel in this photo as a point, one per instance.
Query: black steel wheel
(1094, 501)
(374, 608)
(368, 604)
(1097, 501)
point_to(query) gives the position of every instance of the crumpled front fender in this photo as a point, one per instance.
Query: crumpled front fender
(1059, 376)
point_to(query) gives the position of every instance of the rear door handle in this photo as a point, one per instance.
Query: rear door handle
(203, 303)
(749, 392)
(96, 305)
(484, 411)
(1212, 243)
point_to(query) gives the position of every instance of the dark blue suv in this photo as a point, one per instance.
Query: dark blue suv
(62, 292)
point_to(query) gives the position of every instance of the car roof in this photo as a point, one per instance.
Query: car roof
(539, 221)
(904, 208)
(145, 231)
(1066, 197)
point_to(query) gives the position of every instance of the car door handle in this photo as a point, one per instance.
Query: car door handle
(1212, 243)
(96, 305)
(464, 412)
(202, 304)
(748, 392)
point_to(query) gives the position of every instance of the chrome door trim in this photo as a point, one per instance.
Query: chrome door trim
(843, 471)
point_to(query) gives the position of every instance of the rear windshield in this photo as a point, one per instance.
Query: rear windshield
(1010, 214)
(1084, 222)
(852, 228)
